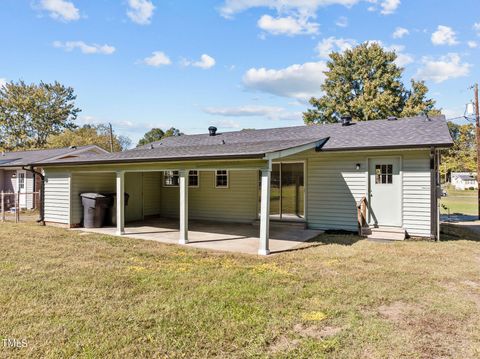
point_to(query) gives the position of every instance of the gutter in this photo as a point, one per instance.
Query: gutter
(42, 192)
(143, 160)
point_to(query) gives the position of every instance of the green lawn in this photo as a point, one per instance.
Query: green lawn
(464, 202)
(92, 296)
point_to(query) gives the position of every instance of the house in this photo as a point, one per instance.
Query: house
(464, 180)
(17, 172)
(316, 175)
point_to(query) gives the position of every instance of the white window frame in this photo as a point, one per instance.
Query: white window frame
(227, 176)
(194, 175)
(175, 173)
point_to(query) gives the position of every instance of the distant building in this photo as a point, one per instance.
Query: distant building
(464, 180)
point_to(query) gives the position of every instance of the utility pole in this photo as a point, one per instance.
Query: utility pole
(111, 137)
(477, 121)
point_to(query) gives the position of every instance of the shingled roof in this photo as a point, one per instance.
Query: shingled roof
(413, 132)
(25, 158)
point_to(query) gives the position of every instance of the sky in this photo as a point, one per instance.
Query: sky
(233, 64)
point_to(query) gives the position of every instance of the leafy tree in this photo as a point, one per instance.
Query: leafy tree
(29, 114)
(416, 101)
(462, 157)
(365, 83)
(89, 135)
(156, 134)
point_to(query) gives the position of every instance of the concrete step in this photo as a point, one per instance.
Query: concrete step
(387, 233)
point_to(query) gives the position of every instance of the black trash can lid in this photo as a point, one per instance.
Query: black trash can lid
(92, 195)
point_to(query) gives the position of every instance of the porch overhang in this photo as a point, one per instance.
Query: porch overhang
(317, 145)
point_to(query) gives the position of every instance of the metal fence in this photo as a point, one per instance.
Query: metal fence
(19, 206)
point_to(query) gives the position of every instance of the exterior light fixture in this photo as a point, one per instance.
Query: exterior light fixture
(357, 166)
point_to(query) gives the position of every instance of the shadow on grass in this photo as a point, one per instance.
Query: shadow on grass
(344, 238)
(457, 232)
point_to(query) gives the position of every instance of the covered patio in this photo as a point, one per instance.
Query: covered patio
(229, 237)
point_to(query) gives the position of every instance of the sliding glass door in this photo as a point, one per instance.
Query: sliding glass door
(287, 193)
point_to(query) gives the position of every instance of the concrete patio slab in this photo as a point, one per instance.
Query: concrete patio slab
(229, 237)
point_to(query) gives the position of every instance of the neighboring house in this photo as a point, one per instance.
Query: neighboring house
(16, 175)
(313, 174)
(464, 180)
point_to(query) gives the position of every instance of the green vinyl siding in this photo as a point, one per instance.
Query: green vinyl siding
(334, 186)
(152, 182)
(237, 203)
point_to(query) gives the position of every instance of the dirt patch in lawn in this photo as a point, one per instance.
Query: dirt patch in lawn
(283, 344)
(316, 332)
(396, 311)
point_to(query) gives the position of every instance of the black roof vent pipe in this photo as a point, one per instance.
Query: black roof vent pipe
(391, 118)
(212, 131)
(346, 120)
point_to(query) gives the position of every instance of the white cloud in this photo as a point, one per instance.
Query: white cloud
(333, 44)
(400, 32)
(205, 62)
(157, 59)
(299, 81)
(445, 68)
(85, 48)
(476, 27)
(444, 36)
(140, 11)
(472, 44)
(270, 112)
(226, 123)
(342, 21)
(3, 82)
(60, 9)
(289, 25)
(389, 6)
(403, 58)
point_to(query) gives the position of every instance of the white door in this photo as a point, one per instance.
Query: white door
(385, 192)
(22, 187)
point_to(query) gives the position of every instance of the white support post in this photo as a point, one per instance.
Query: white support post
(265, 213)
(120, 203)
(183, 183)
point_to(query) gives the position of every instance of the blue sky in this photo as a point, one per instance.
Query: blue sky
(231, 63)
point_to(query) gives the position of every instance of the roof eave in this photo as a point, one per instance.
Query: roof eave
(158, 159)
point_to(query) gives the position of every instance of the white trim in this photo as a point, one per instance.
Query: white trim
(228, 179)
(263, 248)
(120, 197)
(183, 183)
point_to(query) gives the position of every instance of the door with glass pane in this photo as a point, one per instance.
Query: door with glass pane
(287, 191)
(385, 192)
(21, 187)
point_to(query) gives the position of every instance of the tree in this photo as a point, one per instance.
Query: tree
(89, 135)
(29, 114)
(156, 134)
(416, 101)
(365, 83)
(462, 156)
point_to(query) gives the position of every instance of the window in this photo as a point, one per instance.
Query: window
(221, 179)
(172, 179)
(193, 178)
(21, 181)
(383, 174)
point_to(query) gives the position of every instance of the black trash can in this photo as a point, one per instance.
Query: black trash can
(94, 208)
(111, 201)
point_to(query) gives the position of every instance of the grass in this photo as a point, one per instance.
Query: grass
(457, 201)
(89, 296)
